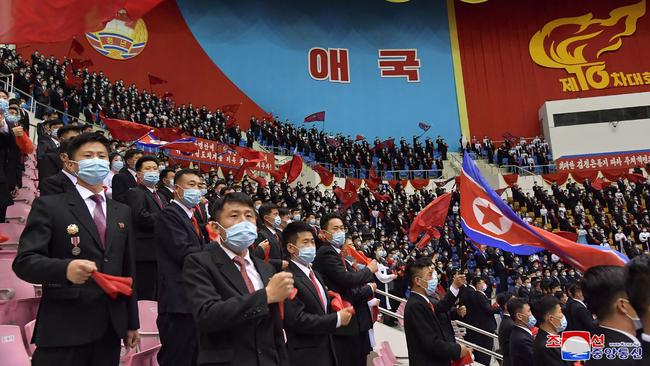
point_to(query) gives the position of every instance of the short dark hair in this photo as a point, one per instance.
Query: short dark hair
(131, 153)
(84, 138)
(573, 289)
(235, 197)
(502, 299)
(290, 233)
(187, 171)
(325, 219)
(144, 159)
(544, 306)
(637, 283)
(601, 286)
(266, 208)
(112, 156)
(53, 122)
(515, 305)
(65, 129)
(284, 211)
(415, 267)
(63, 147)
(166, 171)
(476, 280)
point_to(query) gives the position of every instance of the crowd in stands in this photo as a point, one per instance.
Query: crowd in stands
(532, 154)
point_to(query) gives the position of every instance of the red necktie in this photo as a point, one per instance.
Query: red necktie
(315, 283)
(433, 309)
(195, 222)
(242, 268)
(156, 198)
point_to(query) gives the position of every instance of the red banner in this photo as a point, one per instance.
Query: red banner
(218, 154)
(604, 161)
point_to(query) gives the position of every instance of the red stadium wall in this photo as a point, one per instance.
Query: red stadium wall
(504, 86)
(171, 53)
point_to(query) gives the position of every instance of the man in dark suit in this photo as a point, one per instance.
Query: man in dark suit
(234, 296)
(177, 235)
(146, 206)
(51, 163)
(352, 342)
(270, 232)
(49, 142)
(505, 327)
(125, 179)
(637, 282)
(604, 291)
(165, 186)
(524, 290)
(309, 320)
(577, 315)
(66, 239)
(64, 180)
(521, 338)
(481, 315)
(426, 341)
(10, 166)
(551, 321)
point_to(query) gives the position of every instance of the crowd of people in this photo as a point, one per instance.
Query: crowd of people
(532, 154)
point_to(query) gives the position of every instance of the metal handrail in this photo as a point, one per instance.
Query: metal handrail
(525, 170)
(384, 293)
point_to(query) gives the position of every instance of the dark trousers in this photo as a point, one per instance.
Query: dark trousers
(352, 351)
(146, 275)
(483, 341)
(103, 352)
(178, 338)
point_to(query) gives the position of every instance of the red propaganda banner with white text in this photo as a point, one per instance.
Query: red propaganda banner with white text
(629, 159)
(218, 154)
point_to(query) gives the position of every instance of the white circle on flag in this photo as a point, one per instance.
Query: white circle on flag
(479, 205)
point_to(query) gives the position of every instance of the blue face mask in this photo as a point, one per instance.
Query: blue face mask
(117, 165)
(563, 324)
(93, 171)
(4, 104)
(307, 255)
(12, 118)
(191, 197)
(240, 236)
(204, 191)
(277, 222)
(432, 286)
(150, 178)
(338, 239)
(382, 253)
(531, 321)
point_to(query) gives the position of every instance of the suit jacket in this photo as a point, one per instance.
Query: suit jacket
(49, 165)
(69, 314)
(426, 342)
(309, 327)
(10, 167)
(612, 336)
(544, 356)
(479, 311)
(505, 329)
(56, 184)
(521, 346)
(122, 182)
(348, 282)
(276, 250)
(46, 145)
(144, 210)
(165, 194)
(175, 239)
(444, 308)
(578, 316)
(235, 327)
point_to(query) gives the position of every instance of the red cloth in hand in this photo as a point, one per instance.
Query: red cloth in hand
(24, 143)
(358, 257)
(292, 296)
(467, 360)
(113, 285)
(337, 302)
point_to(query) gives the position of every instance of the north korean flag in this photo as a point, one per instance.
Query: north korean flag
(487, 220)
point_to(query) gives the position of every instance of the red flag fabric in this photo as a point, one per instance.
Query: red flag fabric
(373, 182)
(510, 178)
(357, 256)
(113, 285)
(423, 126)
(169, 134)
(381, 197)
(338, 303)
(153, 80)
(346, 196)
(125, 130)
(432, 216)
(259, 179)
(359, 138)
(326, 177)
(568, 235)
(37, 21)
(599, 184)
(76, 46)
(315, 117)
(185, 145)
(353, 183)
(635, 178)
(581, 176)
(278, 174)
(230, 108)
(613, 174)
(292, 168)
(292, 296)
(560, 178)
(384, 144)
(72, 80)
(501, 190)
(249, 154)
(419, 183)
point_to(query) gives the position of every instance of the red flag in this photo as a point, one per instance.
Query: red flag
(425, 127)
(353, 183)
(373, 182)
(326, 177)
(315, 117)
(153, 80)
(72, 80)
(125, 130)
(430, 217)
(278, 175)
(169, 134)
(184, 145)
(636, 178)
(76, 46)
(252, 158)
(292, 168)
(230, 121)
(567, 235)
(338, 303)
(37, 21)
(381, 197)
(230, 108)
(359, 138)
(419, 183)
(360, 258)
(113, 285)
(599, 184)
(259, 179)
(510, 178)
(384, 144)
(501, 190)
(347, 196)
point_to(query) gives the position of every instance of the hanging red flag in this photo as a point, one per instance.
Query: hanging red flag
(153, 80)
(326, 177)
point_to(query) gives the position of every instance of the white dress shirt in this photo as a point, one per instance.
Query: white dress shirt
(72, 177)
(188, 211)
(86, 194)
(255, 277)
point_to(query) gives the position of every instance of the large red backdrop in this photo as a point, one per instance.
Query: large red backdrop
(171, 53)
(505, 87)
